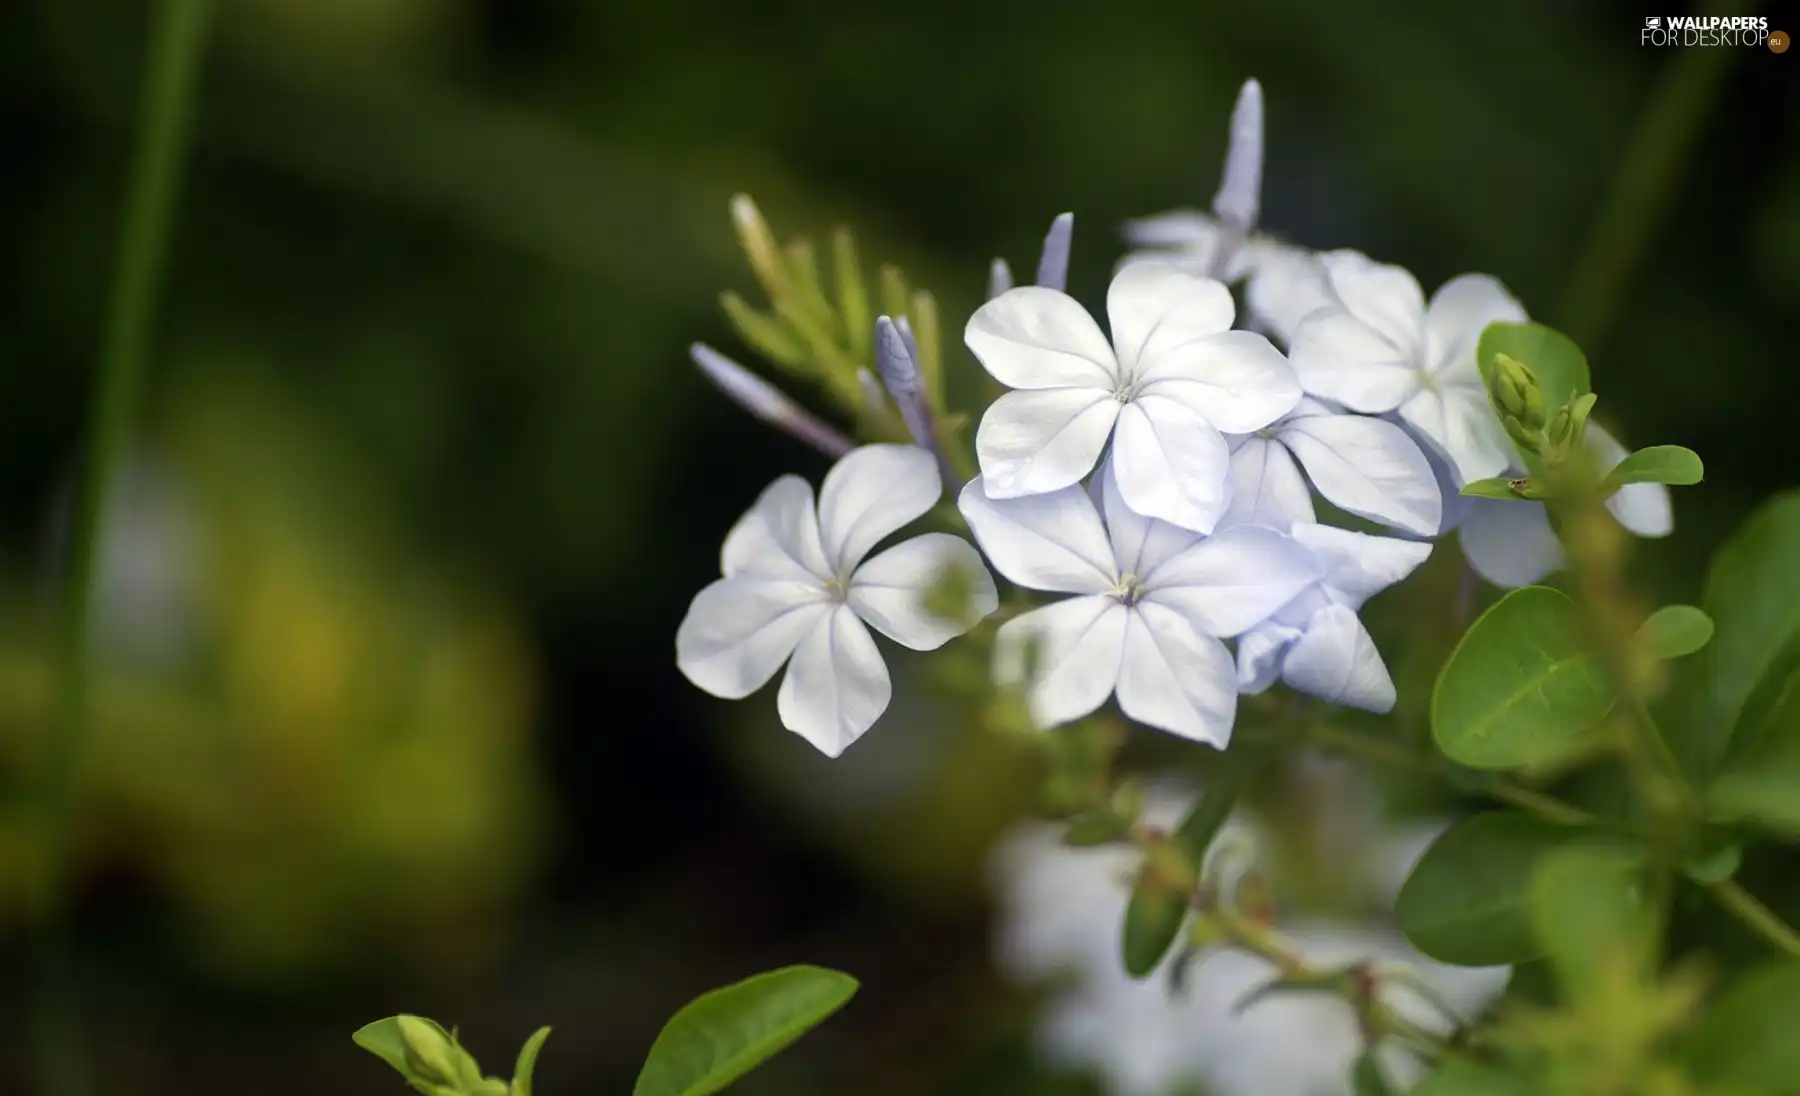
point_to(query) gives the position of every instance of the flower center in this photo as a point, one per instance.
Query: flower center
(838, 589)
(1126, 391)
(1129, 590)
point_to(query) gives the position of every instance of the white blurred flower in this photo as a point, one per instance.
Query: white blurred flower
(1316, 642)
(1380, 347)
(1283, 284)
(1060, 911)
(1153, 602)
(796, 584)
(1511, 544)
(1173, 380)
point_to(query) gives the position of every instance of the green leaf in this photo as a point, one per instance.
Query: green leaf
(1467, 900)
(1766, 796)
(1745, 1040)
(719, 1036)
(1753, 595)
(1153, 918)
(1520, 690)
(382, 1039)
(1670, 464)
(1457, 1077)
(527, 1063)
(1511, 490)
(1561, 368)
(1588, 910)
(1675, 631)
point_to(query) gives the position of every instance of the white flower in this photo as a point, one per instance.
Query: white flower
(1368, 466)
(1379, 347)
(1154, 601)
(1511, 544)
(1316, 643)
(1283, 284)
(796, 584)
(1174, 380)
(1059, 915)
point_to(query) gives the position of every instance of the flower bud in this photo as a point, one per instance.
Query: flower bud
(1518, 392)
(431, 1055)
(1561, 429)
(1528, 441)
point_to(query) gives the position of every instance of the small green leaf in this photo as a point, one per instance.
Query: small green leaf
(1753, 596)
(1588, 910)
(1520, 690)
(1152, 919)
(1745, 1040)
(527, 1063)
(1511, 490)
(1675, 631)
(1467, 900)
(382, 1039)
(1458, 1077)
(1669, 464)
(1715, 864)
(1766, 795)
(1559, 365)
(719, 1036)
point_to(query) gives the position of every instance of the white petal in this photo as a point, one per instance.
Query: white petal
(1643, 508)
(1370, 468)
(837, 686)
(1032, 442)
(1033, 337)
(1154, 307)
(1266, 487)
(1260, 653)
(1234, 579)
(1286, 286)
(1078, 643)
(1237, 380)
(1459, 310)
(738, 632)
(1052, 541)
(1140, 544)
(1455, 503)
(890, 590)
(1385, 297)
(1358, 566)
(1340, 358)
(1336, 660)
(870, 494)
(1459, 422)
(778, 537)
(1171, 463)
(1173, 678)
(1511, 544)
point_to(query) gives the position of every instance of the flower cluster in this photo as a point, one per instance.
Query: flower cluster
(1167, 472)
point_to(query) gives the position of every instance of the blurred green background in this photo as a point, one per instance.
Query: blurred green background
(389, 719)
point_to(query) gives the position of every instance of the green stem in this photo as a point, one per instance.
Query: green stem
(164, 124)
(1757, 917)
(1547, 807)
(1645, 185)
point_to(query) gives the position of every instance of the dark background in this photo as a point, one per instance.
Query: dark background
(394, 724)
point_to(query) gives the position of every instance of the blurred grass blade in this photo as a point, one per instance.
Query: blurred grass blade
(853, 296)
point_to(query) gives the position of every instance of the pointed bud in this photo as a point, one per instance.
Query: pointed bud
(873, 398)
(1518, 392)
(1561, 428)
(1240, 189)
(1000, 278)
(759, 245)
(1053, 266)
(768, 403)
(896, 356)
(1527, 441)
(433, 1056)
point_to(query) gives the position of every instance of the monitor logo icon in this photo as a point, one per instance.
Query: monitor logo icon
(1652, 22)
